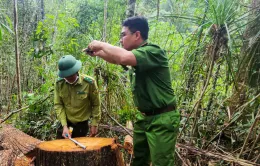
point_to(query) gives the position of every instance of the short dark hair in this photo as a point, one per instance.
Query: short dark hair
(137, 23)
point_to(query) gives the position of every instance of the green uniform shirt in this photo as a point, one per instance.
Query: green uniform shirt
(77, 102)
(150, 79)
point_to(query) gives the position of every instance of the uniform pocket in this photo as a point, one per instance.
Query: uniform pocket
(171, 120)
(82, 96)
(80, 100)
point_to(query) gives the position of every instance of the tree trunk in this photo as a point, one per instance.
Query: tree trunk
(130, 12)
(105, 21)
(158, 9)
(17, 55)
(98, 152)
(42, 9)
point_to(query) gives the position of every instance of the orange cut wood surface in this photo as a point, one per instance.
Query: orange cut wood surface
(91, 144)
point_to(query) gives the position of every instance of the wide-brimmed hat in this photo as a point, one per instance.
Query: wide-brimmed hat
(68, 65)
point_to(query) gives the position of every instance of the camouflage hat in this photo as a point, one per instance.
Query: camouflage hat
(68, 65)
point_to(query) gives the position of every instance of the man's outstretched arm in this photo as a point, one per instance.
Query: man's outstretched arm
(112, 54)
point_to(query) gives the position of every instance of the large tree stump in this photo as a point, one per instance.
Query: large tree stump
(63, 152)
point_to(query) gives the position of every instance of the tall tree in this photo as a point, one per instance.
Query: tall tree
(105, 20)
(42, 9)
(130, 8)
(158, 9)
(17, 55)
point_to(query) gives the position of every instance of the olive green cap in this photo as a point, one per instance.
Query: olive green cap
(68, 65)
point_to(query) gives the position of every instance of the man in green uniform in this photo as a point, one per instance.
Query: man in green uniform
(156, 128)
(76, 99)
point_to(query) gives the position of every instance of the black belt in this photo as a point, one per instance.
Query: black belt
(160, 110)
(78, 124)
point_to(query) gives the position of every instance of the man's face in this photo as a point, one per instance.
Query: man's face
(127, 39)
(72, 78)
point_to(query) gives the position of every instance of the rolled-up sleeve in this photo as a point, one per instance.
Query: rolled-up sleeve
(150, 57)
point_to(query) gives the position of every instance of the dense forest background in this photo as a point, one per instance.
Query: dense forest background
(213, 48)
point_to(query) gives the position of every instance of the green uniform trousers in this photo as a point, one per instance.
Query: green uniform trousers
(155, 139)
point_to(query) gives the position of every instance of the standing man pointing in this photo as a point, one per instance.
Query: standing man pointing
(157, 125)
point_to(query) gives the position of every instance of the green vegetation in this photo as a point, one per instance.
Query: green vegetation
(213, 49)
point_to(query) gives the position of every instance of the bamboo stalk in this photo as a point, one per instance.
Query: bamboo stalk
(234, 119)
(117, 121)
(249, 133)
(225, 157)
(252, 148)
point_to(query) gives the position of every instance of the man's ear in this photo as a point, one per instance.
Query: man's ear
(138, 34)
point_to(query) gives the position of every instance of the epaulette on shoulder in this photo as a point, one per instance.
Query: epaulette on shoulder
(89, 79)
(59, 79)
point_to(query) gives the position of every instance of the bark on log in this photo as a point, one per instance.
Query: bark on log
(24, 161)
(14, 143)
(99, 152)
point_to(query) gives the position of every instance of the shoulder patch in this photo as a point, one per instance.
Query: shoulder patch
(89, 80)
(59, 79)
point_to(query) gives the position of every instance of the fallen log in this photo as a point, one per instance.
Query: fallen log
(98, 152)
(128, 141)
(14, 143)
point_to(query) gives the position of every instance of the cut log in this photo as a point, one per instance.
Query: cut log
(64, 152)
(128, 141)
(14, 143)
(128, 144)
